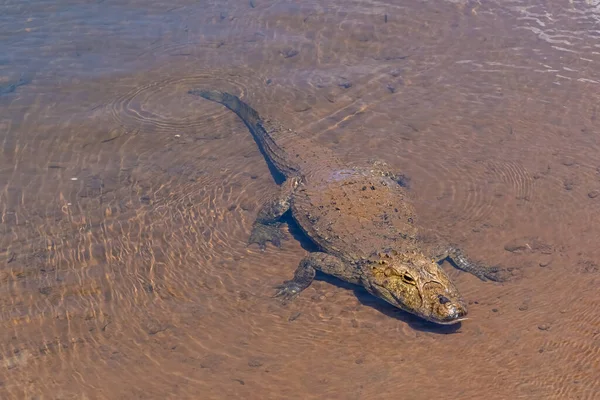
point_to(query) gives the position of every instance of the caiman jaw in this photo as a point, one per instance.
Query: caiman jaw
(456, 321)
(447, 306)
(453, 314)
(435, 301)
(456, 314)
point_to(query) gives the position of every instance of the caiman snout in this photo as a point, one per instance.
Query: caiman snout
(454, 312)
(446, 306)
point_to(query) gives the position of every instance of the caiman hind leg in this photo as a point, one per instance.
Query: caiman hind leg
(266, 227)
(462, 262)
(305, 273)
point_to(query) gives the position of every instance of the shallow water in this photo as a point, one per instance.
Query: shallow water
(126, 204)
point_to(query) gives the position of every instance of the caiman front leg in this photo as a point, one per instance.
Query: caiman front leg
(305, 273)
(463, 263)
(266, 227)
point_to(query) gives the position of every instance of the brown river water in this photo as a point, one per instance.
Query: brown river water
(126, 204)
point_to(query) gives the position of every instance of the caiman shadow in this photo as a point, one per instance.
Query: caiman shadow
(364, 297)
(367, 299)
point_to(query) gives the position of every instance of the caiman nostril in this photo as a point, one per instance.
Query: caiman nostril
(443, 299)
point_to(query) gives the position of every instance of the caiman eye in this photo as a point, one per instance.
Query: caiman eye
(408, 279)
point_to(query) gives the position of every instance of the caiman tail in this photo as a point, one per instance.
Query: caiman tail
(263, 131)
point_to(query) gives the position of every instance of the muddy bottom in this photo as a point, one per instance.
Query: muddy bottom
(126, 204)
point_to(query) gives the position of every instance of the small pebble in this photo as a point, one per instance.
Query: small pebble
(73, 179)
(45, 290)
(593, 194)
(569, 184)
(302, 107)
(294, 317)
(544, 327)
(289, 53)
(545, 262)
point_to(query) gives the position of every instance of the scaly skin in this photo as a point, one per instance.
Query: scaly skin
(360, 218)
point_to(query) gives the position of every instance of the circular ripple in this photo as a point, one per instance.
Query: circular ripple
(166, 107)
(498, 179)
(131, 277)
(469, 193)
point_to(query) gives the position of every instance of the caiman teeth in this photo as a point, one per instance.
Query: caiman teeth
(454, 321)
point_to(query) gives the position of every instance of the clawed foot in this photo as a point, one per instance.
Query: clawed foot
(482, 271)
(261, 234)
(288, 291)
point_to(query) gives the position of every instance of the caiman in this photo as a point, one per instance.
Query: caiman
(361, 220)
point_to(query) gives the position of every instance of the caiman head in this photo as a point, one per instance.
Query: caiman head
(416, 284)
